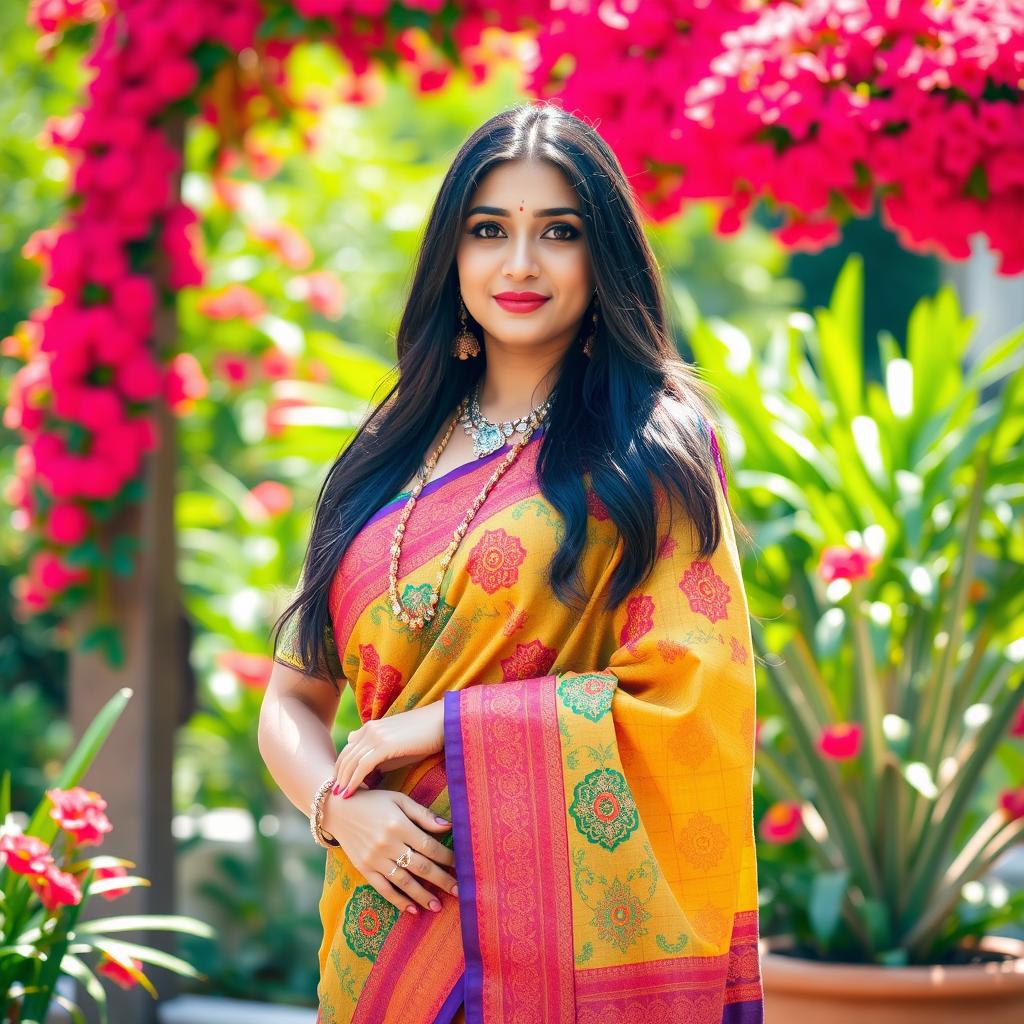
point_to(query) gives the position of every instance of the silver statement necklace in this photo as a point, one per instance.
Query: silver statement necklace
(487, 436)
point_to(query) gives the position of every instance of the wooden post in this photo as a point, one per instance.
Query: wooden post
(134, 769)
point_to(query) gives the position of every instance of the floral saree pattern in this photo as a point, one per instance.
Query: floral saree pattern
(597, 770)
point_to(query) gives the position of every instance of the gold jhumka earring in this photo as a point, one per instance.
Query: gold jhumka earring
(466, 346)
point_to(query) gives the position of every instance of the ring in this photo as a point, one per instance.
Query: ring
(406, 859)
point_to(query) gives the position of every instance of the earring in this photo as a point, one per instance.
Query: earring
(466, 346)
(588, 345)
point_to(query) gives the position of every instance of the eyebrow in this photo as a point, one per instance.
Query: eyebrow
(554, 211)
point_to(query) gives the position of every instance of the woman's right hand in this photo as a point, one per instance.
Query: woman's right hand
(374, 826)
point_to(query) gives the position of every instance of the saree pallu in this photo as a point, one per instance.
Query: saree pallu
(597, 768)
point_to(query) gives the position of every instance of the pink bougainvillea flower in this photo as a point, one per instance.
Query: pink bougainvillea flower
(276, 364)
(1017, 726)
(56, 888)
(113, 871)
(79, 812)
(252, 670)
(781, 823)
(1012, 802)
(185, 383)
(25, 855)
(287, 242)
(67, 524)
(111, 969)
(266, 499)
(843, 563)
(234, 301)
(841, 742)
(235, 370)
(323, 291)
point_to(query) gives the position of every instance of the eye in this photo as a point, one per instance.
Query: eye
(477, 230)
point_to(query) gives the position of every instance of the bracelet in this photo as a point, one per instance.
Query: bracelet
(316, 813)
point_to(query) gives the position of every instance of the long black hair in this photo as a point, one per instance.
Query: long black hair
(633, 413)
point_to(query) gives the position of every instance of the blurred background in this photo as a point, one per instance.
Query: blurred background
(860, 377)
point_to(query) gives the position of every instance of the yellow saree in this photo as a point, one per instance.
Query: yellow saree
(597, 770)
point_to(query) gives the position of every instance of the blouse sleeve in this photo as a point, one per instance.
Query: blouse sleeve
(287, 652)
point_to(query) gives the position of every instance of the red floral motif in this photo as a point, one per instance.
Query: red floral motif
(530, 660)
(495, 559)
(667, 546)
(376, 694)
(739, 652)
(639, 619)
(595, 506)
(515, 621)
(706, 591)
(670, 650)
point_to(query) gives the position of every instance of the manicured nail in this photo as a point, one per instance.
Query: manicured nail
(337, 789)
(435, 905)
(440, 820)
(455, 890)
(412, 909)
(346, 794)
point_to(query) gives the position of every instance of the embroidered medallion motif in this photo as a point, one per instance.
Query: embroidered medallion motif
(706, 591)
(588, 693)
(368, 919)
(619, 916)
(495, 559)
(604, 808)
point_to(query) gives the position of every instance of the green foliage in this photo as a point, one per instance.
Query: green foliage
(922, 471)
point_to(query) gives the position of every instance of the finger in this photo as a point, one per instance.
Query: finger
(349, 762)
(406, 881)
(366, 763)
(422, 843)
(344, 759)
(390, 893)
(432, 872)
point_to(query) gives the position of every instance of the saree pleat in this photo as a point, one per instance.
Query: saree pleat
(597, 768)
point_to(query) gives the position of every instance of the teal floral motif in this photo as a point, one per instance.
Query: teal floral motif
(368, 919)
(588, 693)
(672, 947)
(585, 953)
(416, 597)
(604, 808)
(346, 979)
(620, 916)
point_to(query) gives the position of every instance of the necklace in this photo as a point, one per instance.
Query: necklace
(487, 436)
(425, 607)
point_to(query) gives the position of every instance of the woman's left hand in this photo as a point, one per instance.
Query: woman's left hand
(389, 743)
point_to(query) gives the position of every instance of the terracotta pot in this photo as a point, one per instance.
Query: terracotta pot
(798, 991)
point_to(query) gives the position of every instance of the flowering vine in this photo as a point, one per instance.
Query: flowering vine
(819, 107)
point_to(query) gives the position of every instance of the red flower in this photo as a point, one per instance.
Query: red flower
(269, 498)
(79, 812)
(639, 619)
(117, 973)
(252, 670)
(233, 369)
(1017, 728)
(114, 871)
(56, 888)
(289, 245)
(781, 823)
(1012, 801)
(842, 563)
(323, 291)
(25, 855)
(529, 660)
(67, 524)
(495, 559)
(841, 742)
(234, 301)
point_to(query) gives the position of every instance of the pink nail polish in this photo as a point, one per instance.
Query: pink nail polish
(337, 789)
(412, 909)
(346, 794)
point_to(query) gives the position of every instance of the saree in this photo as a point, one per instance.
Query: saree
(597, 771)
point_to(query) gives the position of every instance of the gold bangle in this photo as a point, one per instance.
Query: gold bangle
(316, 813)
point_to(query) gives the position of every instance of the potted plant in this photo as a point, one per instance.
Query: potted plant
(45, 882)
(887, 592)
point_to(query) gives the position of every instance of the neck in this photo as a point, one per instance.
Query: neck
(510, 391)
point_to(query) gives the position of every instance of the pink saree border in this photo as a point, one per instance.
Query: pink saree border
(392, 994)
(356, 586)
(511, 844)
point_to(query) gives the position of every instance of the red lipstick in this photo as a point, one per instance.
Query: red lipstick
(520, 302)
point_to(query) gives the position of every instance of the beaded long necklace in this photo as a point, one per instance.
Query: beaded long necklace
(426, 608)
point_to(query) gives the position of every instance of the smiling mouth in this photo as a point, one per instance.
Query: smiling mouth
(520, 305)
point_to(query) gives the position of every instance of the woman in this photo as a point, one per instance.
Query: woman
(548, 640)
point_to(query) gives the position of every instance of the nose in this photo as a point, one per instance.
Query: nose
(519, 260)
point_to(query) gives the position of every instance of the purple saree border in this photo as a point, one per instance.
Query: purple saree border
(451, 1005)
(749, 1012)
(452, 474)
(455, 768)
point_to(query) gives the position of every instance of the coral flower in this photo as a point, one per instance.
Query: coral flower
(235, 301)
(841, 742)
(266, 499)
(117, 973)
(781, 823)
(56, 888)
(79, 812)
(252, 670)
(842, 563)
(114, 871)
(25, 855)
(1012, 801)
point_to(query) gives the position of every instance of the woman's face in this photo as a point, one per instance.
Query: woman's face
(524, 233)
